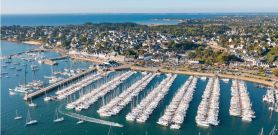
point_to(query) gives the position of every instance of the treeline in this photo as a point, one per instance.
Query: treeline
(208, 56)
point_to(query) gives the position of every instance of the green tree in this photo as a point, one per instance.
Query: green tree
(272, 55)
(275, 72)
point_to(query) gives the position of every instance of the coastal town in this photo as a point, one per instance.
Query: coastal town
(226, 44)
(139, 67)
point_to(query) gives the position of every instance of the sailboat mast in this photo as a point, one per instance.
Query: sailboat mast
(16, 114)
(28, 116)
(25, 76)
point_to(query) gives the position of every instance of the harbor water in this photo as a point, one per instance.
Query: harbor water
(45, 111)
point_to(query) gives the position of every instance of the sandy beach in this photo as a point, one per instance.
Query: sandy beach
(32, 42)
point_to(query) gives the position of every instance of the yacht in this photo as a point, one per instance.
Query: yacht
(17, 116)
(21, 89)
(79, 122)
(31, 104)
(54, 79)
(203, 78)
(46, 98)
(29, 120)
(11, 93)
(175, 126)
(57, 118)
(225, 80)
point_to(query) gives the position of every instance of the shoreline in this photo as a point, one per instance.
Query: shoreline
(258, 79)
(28, 42)
(33, 42)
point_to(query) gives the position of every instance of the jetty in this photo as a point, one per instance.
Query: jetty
(93, 120)
(29, 51)
(52, 61)
(55, 85)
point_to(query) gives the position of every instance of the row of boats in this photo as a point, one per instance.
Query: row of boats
(208, 109)
(30, 121)
(85, 81)
(27, 88)
(119, 102)
(175, 112)
(145, 108)
(88, 99)
(271, 97)
(241, 105)
(30, 56)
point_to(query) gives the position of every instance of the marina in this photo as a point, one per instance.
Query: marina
(55, 85)
(150, 102)
(241, 105)
(209, 107)
(118, 103)
(175, 112)
(145, 108)
(88, 99)
(271, 97)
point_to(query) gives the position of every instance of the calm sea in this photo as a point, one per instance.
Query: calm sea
(44, 113)
(65, 19)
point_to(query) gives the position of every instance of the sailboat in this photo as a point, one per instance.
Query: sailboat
(46, 98)
(11, 92)
(57, 119)
(80, 121)
(29, 120)
(31, 104)
(17, 116)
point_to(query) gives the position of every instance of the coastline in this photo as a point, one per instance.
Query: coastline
(258, 79)
(28, 42)
(33, 42)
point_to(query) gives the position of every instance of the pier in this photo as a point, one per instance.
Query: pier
(93, 120)
(52, 61)
(30, 51)
(55, 85)
(59, 58)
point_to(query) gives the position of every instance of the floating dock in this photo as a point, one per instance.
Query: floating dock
(93, 120)
(55, 85)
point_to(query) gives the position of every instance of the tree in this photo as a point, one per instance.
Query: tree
(272, 55)
(275, 72)
(222, 58)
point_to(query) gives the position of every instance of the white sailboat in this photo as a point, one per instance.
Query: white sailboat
(31, 104)
(57, 118)
(29, 120)
(79, 121)
(46, 98)
(17, 116)
(11, 92)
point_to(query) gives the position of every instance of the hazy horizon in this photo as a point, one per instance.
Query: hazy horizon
(132, 6)
(107, 13)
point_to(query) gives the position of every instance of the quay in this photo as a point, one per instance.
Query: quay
(52, 61)
(49, 62)
(55, 85)
(59, 58)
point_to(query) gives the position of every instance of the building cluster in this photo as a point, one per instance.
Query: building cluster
(247, 38)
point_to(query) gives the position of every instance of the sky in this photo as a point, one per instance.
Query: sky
(135, 6)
